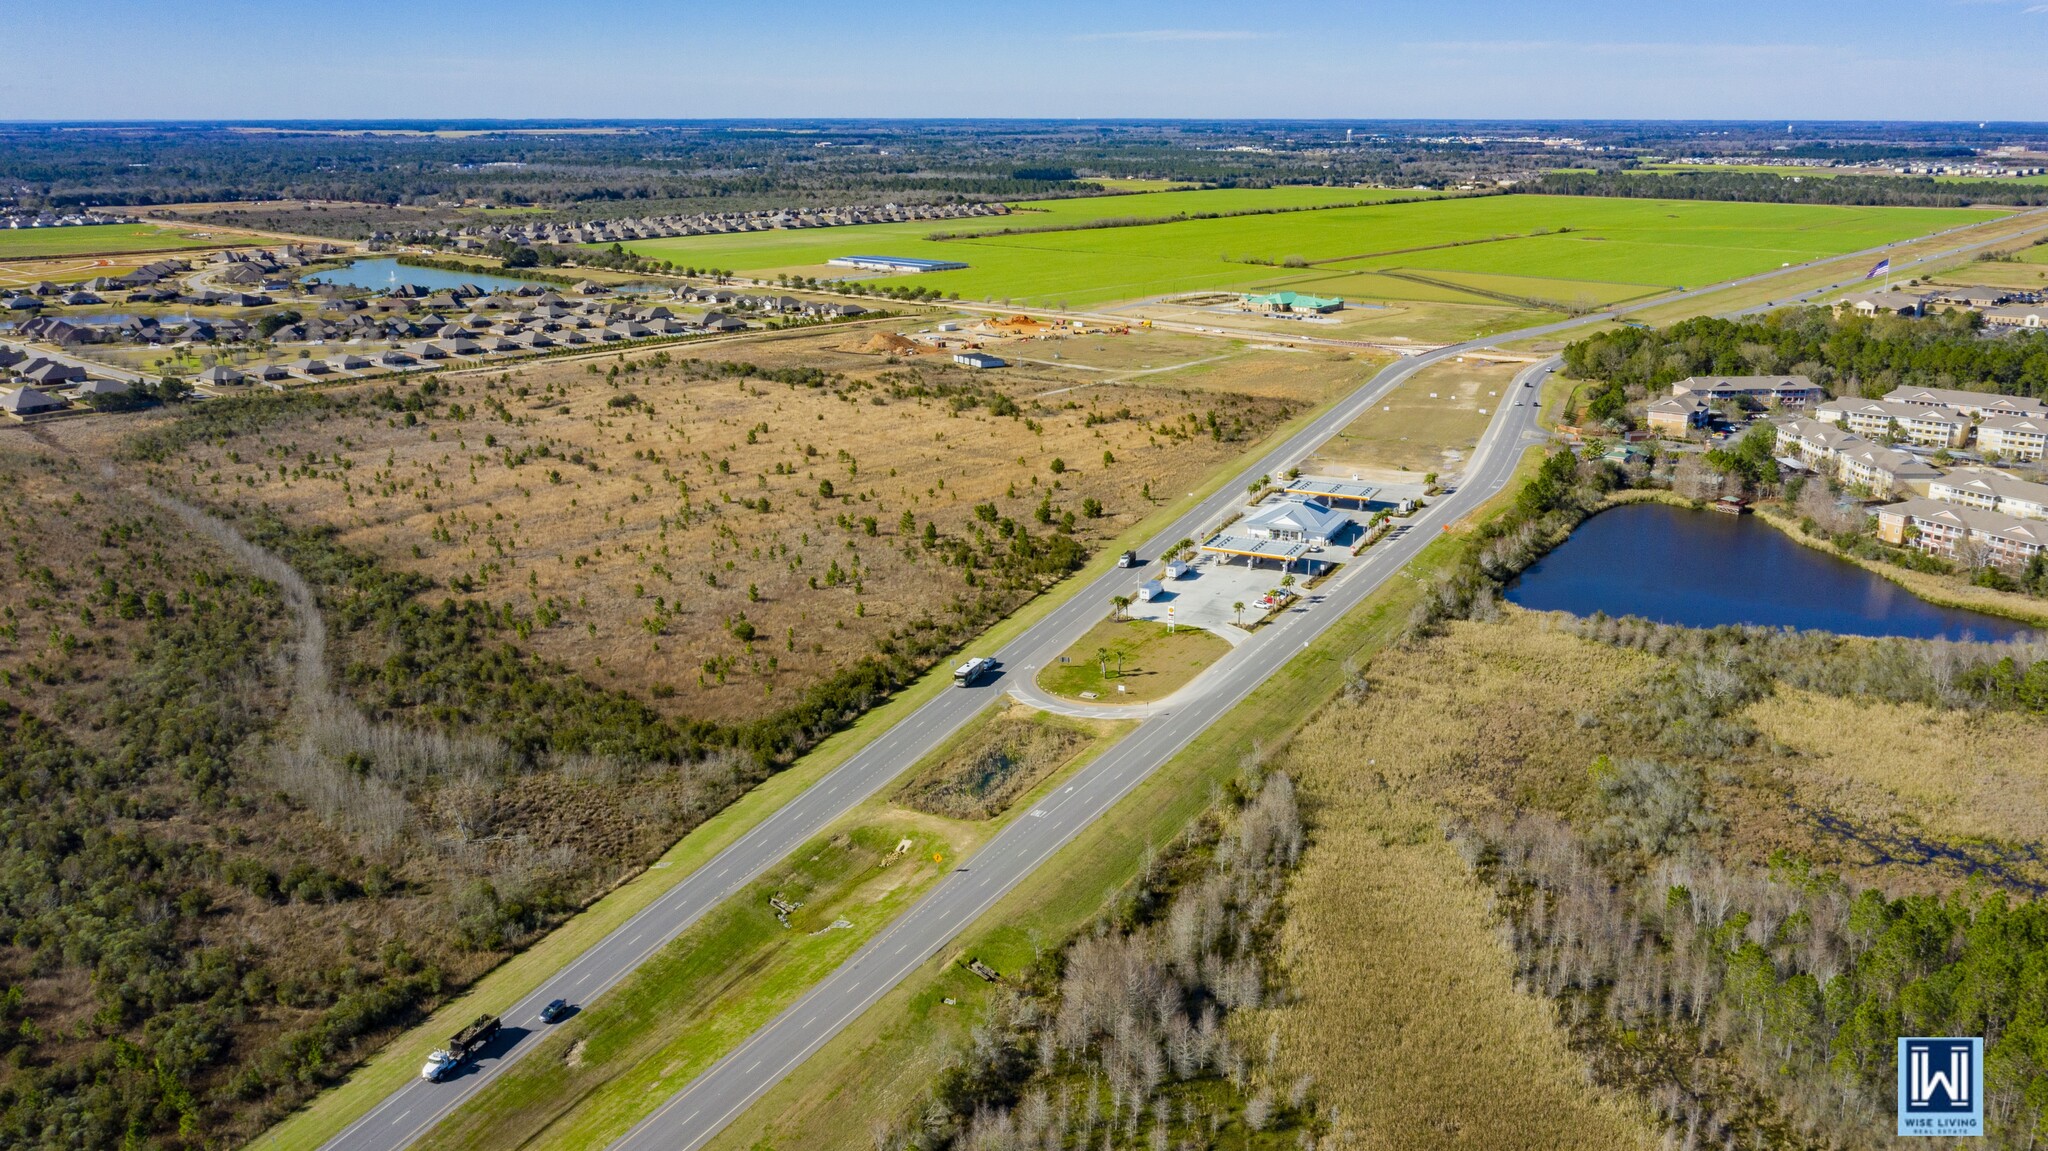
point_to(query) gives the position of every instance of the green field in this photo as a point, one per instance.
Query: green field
(1598, 244)
(94, 240)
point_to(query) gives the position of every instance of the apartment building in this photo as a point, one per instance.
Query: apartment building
(1931, 426)
(2014, 437)
(1989, 490)
(1940, 528)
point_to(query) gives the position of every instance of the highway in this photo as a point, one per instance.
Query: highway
(708, 1102)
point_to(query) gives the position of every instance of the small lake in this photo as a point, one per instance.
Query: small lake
(386, 273)
(1704, 569)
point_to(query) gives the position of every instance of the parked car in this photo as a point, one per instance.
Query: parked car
(554, 1010)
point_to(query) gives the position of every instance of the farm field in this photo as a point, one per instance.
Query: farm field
(1651, 243)
(101, 239)
(1430, 423)
(715, 537)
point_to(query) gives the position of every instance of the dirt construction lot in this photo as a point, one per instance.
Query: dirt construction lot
(717, 536)
(1430, 423)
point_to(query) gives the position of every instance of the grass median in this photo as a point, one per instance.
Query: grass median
(702, 994)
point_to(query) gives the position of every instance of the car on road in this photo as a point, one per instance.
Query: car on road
(554, 1010)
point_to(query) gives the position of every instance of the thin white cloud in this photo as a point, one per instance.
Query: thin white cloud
(1177, 35)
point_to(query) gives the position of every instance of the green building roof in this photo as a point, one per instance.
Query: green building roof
(1301, 300)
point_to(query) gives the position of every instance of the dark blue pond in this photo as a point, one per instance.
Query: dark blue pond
(1705, 569)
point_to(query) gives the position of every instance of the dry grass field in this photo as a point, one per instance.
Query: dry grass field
(1391, 945)
(1430, 423)
(1954, 774)
(716, 537)
(980, 772)
(1387, 942)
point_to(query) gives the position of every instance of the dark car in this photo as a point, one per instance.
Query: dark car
(554, 1011)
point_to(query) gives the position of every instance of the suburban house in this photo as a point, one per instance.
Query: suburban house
(1991, 490)
(25, 403)
(1935, 427)
(1788, 391)
(1677, 415)
(2014, 437)
(1933, 526)
(1296, 519)
(1293, 302)
(220, 375)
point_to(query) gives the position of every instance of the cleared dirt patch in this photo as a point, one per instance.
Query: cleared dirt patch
(1430, 423)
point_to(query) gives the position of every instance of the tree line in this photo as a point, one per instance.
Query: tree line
(1769, 188)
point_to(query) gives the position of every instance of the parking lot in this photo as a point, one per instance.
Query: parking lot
(1202, 598)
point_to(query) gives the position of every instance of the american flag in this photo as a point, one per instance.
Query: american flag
(1879, 268)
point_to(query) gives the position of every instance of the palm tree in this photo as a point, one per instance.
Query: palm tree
(1102, 661)
(1238, 607)
(1118, 605)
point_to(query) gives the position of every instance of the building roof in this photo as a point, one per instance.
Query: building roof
(1285, 551)
(1739, 385)
(1297, 514)
(1886, 409)
(1964, 400)
(1992, 484)
(1329, 487)
(1826, 436)
(1899, 465)
(2014, 424)
(895, 263)
(25, 401)
(1680, 405)
(1294, 300)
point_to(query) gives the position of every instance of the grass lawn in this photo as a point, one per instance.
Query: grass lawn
(1142, 657)
(1583, 239)
(96, 239)
(877, 1068)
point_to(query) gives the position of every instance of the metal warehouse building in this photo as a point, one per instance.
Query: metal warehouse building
(894, 264)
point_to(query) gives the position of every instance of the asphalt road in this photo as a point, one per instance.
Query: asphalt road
(708, 1102)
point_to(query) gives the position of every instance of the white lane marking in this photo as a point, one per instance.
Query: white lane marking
(402, 1115)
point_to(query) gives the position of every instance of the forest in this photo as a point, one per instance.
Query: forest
(1768, 188)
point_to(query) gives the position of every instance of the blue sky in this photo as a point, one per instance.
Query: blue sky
(1721, 59)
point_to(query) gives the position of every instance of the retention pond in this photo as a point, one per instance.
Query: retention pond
(1702, 569)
